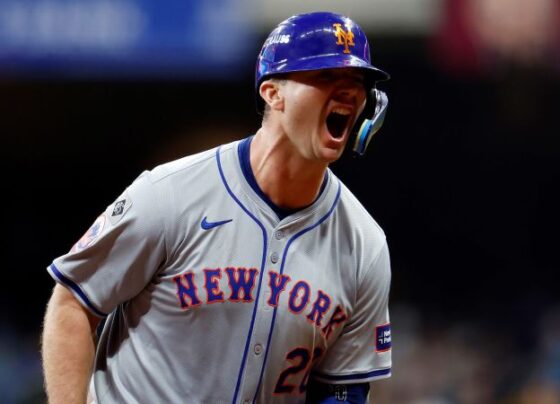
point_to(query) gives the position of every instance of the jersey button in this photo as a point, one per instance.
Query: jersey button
(279, 234)
(274, 257)
(258, 349)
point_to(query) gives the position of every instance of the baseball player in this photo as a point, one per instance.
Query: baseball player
(243, 274)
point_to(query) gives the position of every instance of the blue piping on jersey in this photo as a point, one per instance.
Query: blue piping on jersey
(295, 236)
(247, 342)
(357, 376)
(244, 154)
(76, 288)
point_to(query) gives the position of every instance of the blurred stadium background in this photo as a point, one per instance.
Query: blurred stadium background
(463, 177)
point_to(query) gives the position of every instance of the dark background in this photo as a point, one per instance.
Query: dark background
(463, 178)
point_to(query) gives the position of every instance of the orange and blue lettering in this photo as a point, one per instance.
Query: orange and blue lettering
(211, 284)
(241, 281)
(277, 284)
(186, 290)
(293, 304)
(320, 307)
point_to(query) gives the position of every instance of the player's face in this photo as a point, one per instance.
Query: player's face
(320, 109)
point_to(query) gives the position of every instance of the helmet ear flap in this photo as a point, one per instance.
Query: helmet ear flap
(370, 120)
(371, 102)
(369, 109)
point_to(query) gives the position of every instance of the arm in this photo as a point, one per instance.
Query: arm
(68, 348)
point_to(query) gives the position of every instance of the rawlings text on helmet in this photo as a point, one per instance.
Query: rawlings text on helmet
(274, 39)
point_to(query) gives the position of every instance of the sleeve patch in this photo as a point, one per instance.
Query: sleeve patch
(119, 208)
(91, 235)
(383, 338)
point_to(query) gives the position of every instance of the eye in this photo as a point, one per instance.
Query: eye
(359, 80)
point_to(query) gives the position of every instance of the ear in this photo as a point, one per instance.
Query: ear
(270, 91)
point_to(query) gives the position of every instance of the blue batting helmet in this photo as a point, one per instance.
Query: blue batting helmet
(324, 40)
(313, 41)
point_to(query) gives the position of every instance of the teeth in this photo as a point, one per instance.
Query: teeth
(342, 111)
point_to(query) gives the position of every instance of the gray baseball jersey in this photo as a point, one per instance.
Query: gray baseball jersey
(210, 298)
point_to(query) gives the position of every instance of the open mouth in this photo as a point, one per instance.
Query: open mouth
(337, 121)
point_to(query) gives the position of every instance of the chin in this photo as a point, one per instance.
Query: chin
(329, 155)
(333, 150)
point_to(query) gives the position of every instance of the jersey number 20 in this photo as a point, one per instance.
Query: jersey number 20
(302, 360)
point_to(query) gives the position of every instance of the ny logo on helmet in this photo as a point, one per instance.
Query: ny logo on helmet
(343, 37)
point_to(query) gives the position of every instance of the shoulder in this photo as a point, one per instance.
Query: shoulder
(171, 195)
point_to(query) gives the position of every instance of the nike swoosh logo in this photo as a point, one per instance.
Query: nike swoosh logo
(210, 225)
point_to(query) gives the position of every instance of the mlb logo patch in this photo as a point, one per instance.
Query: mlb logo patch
(383, 337)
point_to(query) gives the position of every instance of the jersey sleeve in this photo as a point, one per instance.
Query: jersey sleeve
(119, 254)
(362, 352)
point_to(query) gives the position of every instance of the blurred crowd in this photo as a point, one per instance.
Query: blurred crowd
(441, 361)
(486, 37)
(21, 378)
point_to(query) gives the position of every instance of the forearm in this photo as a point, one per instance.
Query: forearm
(68, 348)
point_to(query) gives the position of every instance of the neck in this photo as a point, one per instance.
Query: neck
(289, 180)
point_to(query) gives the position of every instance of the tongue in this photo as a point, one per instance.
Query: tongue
(336, 124)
